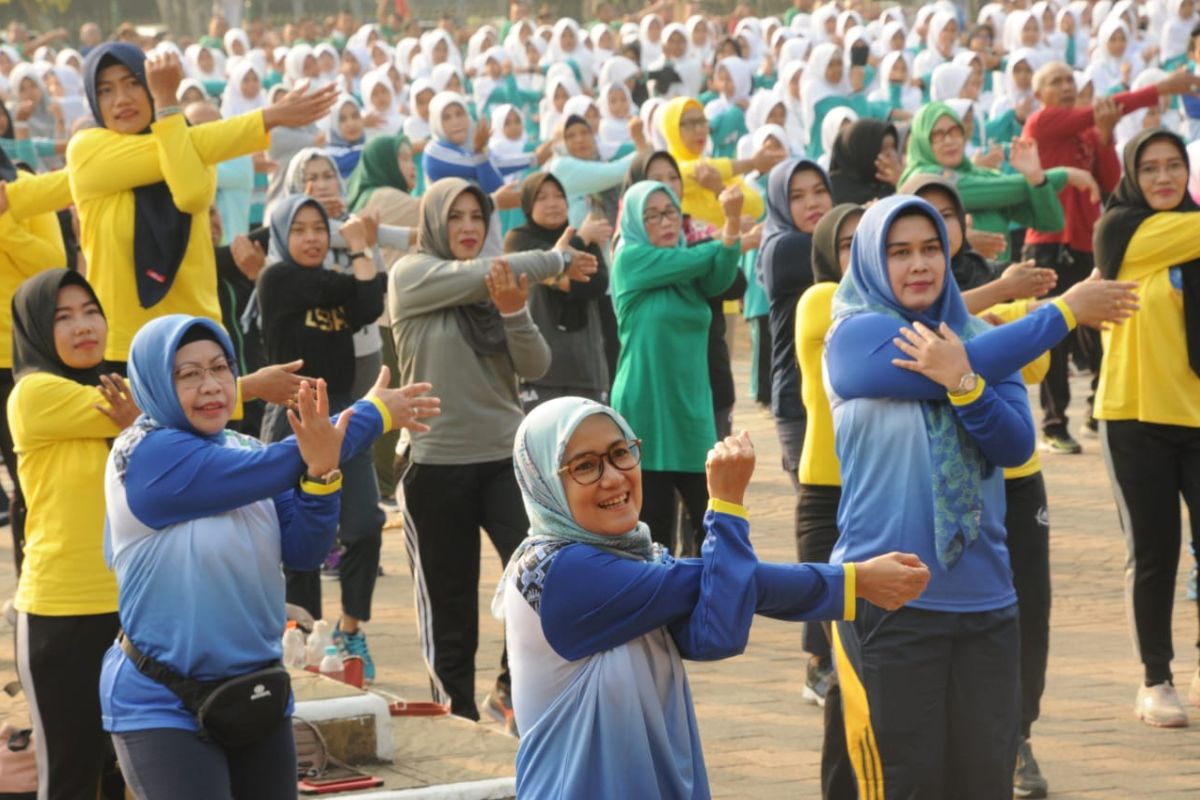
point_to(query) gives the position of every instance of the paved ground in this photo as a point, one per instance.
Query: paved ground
(761, 741)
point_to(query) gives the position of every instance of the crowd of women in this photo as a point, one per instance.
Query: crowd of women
(292, 237)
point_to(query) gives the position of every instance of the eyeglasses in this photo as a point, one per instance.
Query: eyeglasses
(670, 215)
(694, 122)
(1173, 169)
(193, 377)
(939, 136)
(587, 468)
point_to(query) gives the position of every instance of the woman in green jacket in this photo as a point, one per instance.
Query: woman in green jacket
(1028, 197)
(660, 290)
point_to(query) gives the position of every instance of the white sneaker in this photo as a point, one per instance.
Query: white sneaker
(1194, 689)
(1159, 706)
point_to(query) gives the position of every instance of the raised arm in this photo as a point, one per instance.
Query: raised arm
(581, 177)
(420, 283)
(641, 267)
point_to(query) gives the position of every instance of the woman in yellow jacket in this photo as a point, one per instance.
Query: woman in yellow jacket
(26, 248)
(142, 184)
(685, 129)
(64, 413)
(1148, 398)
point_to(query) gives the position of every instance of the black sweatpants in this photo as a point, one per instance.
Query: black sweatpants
(929, 700)
(659, 490)
(16, 509)
(762, 357)
(445, 505)
(1072, 267)
(360, 531)
(173, 764)
(1150, 467)
(58, 661)
(816, 534)
(1027, 521)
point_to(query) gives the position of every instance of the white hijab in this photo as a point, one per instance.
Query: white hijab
(233, 102)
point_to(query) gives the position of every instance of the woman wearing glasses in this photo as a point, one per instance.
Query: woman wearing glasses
(996, 200)
(1148, 399)
(685, 128)
(660, 291)
(599, 618)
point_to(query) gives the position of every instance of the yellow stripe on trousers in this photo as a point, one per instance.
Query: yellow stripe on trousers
(860, 736)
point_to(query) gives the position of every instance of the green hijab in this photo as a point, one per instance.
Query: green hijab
(920, 150)
(633, 230)
(378, 167)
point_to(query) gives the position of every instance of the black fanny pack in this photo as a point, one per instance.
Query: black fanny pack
(233, 712)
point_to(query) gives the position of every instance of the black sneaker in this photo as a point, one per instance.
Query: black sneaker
(816, 682)
(1060, 442)
(1027, 778)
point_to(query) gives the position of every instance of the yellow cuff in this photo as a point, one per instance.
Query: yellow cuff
(239, 407)
(850, 585)
(969, 397)
(312, 487)
(383, 412)
(1067, 313)
(169, 121)
(726, 507)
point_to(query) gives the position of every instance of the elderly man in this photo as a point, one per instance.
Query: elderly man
(1068, 136)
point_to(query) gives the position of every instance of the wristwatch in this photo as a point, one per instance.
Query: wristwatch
(328, 479)
(567, 257)
(966, 385)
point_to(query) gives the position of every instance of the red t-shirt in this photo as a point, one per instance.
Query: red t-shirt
(1066, 137)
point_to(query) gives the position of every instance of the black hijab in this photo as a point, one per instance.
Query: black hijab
(970, 269)
(641, 164)
(160, 230)
(1126, 210)
(569, 309)
(826, 266)
(33, 307)
(852, 162)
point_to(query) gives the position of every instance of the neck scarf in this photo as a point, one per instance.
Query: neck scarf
(1126, 210)
(538, 450)
(825, 264)
(160, 230)
(852, 162)
(377, 168)
(959, 466)
(33, 307)
(480, 323)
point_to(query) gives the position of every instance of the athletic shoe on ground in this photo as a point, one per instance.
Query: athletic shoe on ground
(1027, 777)
(1060, 443)
(355, 644)
(1159, 706)
(329, 567)
(1090, 429)
(1194, 689)
(498, 705)
(816, 682)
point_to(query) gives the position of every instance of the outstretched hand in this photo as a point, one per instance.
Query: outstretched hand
(275, 383)
(299, 107)
(1097, 303)
(405, 405)
(319, 439)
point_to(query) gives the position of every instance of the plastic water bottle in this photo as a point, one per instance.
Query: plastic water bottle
(331, 665)
(320, 638)
(295, 654)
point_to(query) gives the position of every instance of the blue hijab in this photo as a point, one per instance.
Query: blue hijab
(538, 450)
(959, 466)
(781, 238)
(160, 230)
(152, 366)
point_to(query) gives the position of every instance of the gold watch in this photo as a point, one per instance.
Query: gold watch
(329, 478)
(966, 385)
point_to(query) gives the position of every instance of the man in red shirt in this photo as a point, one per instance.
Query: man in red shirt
(1070, 136)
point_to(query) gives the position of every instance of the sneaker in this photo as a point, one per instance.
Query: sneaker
(1027, 777)
(1194, 689)
(816, 682)
(498, 705)
(329, 567)
(1090, 429)
(1061, 443)
(355, 644)
(1159, 706)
